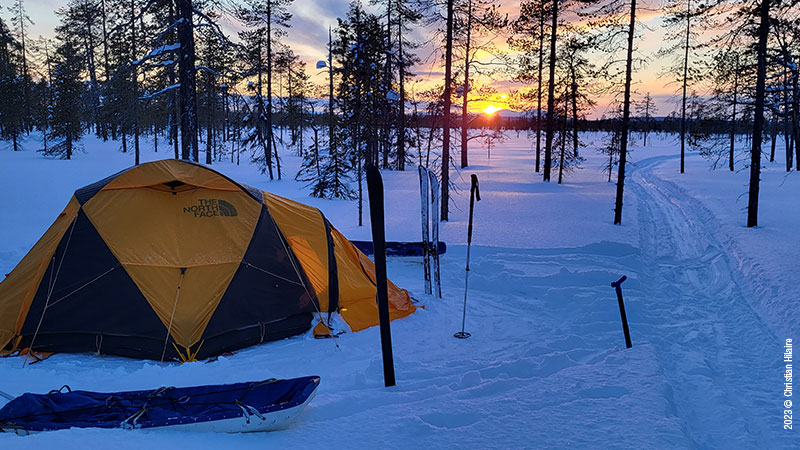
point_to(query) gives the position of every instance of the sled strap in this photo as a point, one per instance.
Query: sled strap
(59, 390)
(130, 422)
(249, 411)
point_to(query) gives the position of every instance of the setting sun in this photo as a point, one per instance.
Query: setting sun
(491, 109)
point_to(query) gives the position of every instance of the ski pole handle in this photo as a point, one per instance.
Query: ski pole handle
(474, 193)
(614, 284)
(475, 187)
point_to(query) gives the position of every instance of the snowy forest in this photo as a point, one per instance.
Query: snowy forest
(168, 70)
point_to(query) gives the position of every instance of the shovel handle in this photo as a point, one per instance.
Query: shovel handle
(614, 284)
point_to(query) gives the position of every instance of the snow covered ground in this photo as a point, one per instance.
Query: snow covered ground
(709, 303)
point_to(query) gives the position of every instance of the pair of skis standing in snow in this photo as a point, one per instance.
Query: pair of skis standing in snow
(430, 229)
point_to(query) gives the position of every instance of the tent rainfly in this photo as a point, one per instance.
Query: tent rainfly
(173, 260)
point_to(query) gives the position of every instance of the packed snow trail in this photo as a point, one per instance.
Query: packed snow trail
(546, 366)
(722, 361)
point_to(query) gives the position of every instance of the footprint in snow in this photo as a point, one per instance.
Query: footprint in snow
(450, 420)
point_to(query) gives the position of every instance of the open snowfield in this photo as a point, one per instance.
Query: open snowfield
(709, 302)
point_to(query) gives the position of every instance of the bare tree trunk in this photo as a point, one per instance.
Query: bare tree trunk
(187, 79)
(574, 111)
(465, 91)
(446, 120)
(733, 117)
(758, 119)
(563, 139)
(548, 147)
(331, 116)
(539, 92)
(787, 136)
(646, 119)
(796, 115)
(386, 142)
(269, 92)
(626, 118)
(773, 137)
(106, 68)
(135, 76)
(685, 76)
(209, 110)
(401, 132)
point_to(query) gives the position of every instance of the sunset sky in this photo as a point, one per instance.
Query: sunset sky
(309, 34)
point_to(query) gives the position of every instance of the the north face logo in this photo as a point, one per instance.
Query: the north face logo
(211, 207)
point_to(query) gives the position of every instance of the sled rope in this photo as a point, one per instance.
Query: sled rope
(172, 317)
(50, 288)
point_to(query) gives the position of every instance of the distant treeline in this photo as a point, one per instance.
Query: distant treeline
(167, 70)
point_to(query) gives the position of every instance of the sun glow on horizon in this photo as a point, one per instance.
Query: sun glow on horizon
(491, 109)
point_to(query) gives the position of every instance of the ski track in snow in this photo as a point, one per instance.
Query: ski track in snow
(546, 367)
(719, 356)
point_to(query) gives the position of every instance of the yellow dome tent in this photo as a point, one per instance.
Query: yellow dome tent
(172, 260)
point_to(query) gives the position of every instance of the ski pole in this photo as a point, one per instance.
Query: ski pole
(617, 285)
(474, 192)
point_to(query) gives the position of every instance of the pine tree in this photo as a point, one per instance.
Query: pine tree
(41, 94)
(11, 88)
(269, 18)
(645, 108)
(66, 112)
(254, 60)
(528, 38)
(21, 22)
(682, 42)
(478, 19)
(327, 166)
(360, 48)
(296, 100)
(407, 14)
(84, 18)
(617, 18)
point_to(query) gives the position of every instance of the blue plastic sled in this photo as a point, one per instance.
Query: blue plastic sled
(229, 408)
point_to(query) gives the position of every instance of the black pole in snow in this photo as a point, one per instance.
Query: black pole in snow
(375, 189)
(618, 286)
(474, 192)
